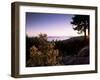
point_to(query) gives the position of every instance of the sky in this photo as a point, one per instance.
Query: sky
(50, 24)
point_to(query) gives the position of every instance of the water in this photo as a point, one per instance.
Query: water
(50, 38)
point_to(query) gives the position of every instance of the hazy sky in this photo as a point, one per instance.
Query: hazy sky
(51, 24)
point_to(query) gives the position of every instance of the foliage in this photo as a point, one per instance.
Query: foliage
(82, 23)
(42, 52)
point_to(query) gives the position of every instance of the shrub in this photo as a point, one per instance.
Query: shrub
(44, 54)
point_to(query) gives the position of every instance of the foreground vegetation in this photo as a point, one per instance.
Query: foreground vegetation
(40, 52)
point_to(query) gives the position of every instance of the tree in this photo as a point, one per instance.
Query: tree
(82, 24)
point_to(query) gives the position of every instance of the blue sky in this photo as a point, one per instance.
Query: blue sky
(51, 24)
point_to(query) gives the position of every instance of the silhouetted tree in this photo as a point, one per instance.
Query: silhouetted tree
(82, 23)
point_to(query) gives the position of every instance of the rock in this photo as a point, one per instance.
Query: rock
(84, 52)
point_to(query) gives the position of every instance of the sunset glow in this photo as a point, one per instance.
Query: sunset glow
(50, 24)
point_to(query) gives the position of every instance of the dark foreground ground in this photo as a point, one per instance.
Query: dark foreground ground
(75, 50)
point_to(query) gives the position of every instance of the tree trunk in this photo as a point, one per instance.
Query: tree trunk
(84, 33)
(88, 32)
